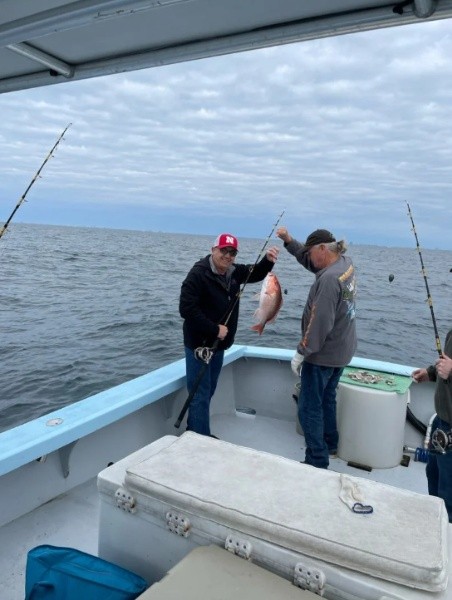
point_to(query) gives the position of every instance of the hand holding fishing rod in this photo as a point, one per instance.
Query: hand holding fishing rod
(429, 297)
(444, 367)
(37, 174)
(202, 352)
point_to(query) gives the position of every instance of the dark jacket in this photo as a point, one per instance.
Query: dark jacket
(443, 392)
(207, 298)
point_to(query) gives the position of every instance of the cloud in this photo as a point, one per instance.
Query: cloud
(336, 131)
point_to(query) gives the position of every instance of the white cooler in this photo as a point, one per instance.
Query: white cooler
(183, 492)
(212, 573)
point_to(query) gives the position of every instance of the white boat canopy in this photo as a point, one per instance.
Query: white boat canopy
(43, 42)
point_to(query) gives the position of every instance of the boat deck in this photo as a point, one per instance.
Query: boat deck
(72, 519)
(280, 437)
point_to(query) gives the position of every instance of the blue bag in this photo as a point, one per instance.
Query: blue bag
(55, 573)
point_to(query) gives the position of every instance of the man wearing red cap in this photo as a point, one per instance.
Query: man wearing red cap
(328, 340)
(210, 296)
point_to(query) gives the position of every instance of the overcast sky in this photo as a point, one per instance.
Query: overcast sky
(340, 133)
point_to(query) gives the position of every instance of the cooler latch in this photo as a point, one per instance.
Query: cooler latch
(309, 578)
(178, 524)
(125, 501)
(241, 548)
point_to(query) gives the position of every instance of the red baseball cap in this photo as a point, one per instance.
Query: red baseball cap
(226, 240)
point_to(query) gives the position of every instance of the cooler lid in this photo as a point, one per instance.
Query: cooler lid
(214, 573)
(298, 507)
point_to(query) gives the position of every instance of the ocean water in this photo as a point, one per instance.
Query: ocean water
(83, 309)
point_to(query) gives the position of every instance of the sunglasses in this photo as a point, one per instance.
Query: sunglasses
(230, 251)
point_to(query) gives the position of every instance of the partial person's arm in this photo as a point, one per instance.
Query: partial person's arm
(295, 248)
(444, 366)
(422, 375)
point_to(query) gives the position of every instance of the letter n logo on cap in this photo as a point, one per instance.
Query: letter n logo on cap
(226, 239)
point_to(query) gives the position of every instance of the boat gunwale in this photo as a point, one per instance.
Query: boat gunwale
(29, 441)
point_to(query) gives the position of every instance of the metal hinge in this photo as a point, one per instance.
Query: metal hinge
(238, 547)
(178, 524)
(309, 578)
(125, 501)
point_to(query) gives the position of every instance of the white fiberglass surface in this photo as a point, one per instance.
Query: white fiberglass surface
(69, 520)
(72, 519)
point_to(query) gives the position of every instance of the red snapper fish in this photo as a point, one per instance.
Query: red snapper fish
(270, 301)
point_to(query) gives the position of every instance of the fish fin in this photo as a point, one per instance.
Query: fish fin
(259, 328)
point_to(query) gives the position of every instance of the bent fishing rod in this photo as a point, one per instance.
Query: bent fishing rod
(37, 174)
(259, 256)
(205, 354)
(429, 297)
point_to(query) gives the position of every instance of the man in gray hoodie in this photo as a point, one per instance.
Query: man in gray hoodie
(328, 338)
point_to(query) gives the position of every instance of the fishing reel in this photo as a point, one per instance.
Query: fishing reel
(442, 441)
(203, 353)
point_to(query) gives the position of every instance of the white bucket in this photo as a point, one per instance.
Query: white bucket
(371, 425)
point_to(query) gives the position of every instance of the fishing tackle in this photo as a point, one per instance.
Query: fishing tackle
(442, 441)
(429, 297)
(206, 354)
(240, 292)
(22, 198)
(421, 455)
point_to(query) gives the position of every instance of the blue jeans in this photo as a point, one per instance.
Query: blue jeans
(199, 407)
(317, 412)
(439, 471)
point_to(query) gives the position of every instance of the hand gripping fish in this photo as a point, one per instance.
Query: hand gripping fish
(270, 301)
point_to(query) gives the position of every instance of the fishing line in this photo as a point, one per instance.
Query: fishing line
(37, 174)
(429, 297)
(205, 353)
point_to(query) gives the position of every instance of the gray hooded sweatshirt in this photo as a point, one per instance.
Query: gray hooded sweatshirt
(328, 325)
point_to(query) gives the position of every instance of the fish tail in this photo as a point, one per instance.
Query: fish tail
(259, 328)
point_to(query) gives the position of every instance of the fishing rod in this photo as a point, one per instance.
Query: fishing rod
(37, 174)
(429, 297)
(259, 256)
(205, 354)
